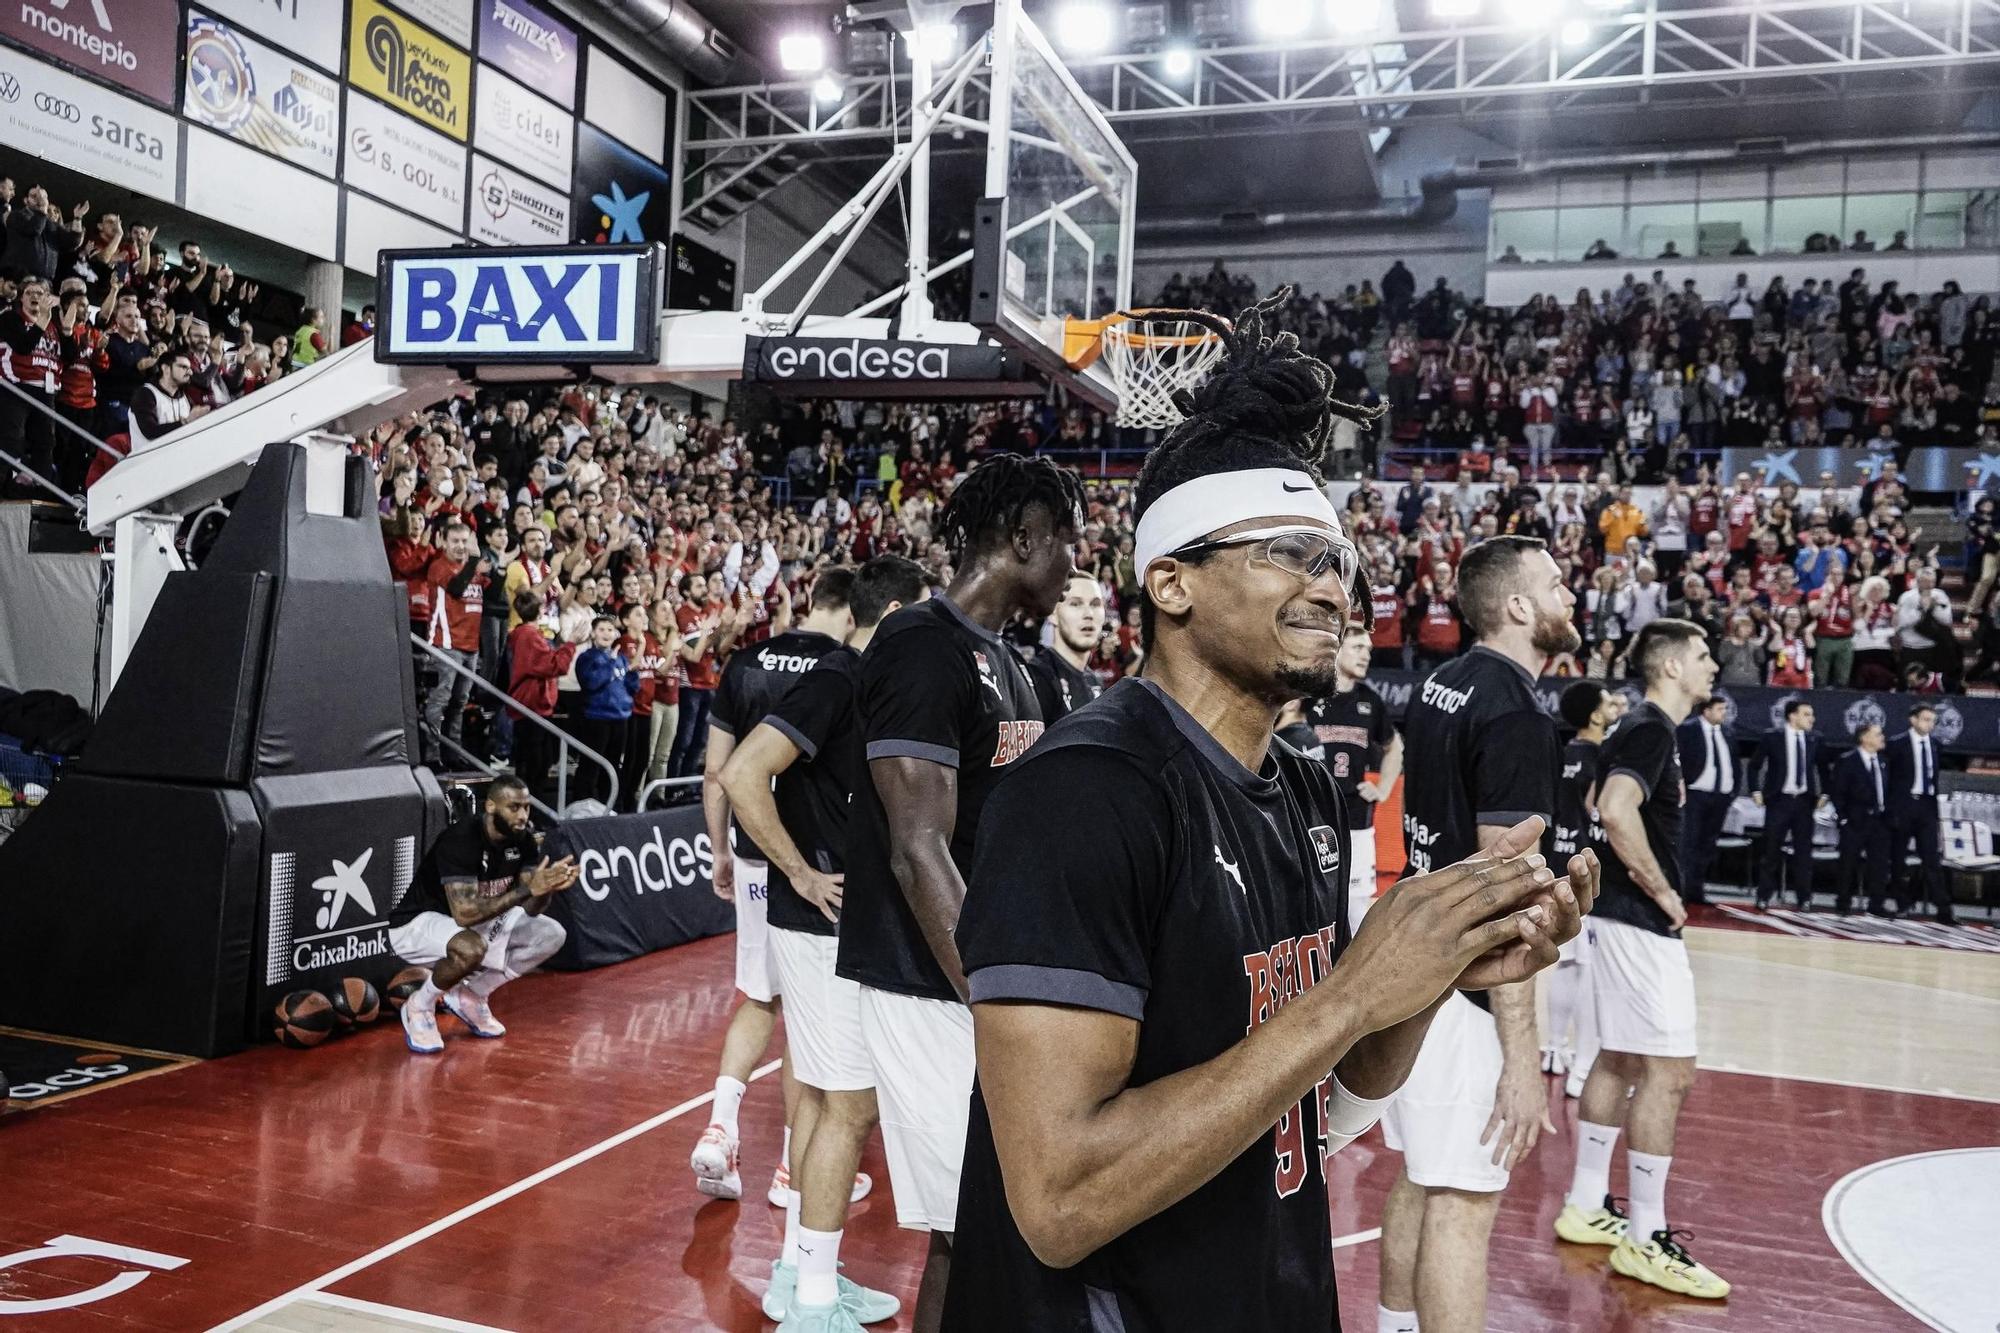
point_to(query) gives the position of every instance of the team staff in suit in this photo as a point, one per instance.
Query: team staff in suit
(1913, 809)
(1713, 775)
(1789, 793)
(1859, 788)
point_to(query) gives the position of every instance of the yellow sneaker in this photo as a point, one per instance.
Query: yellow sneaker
(1591, 1226)
(1665, 1262)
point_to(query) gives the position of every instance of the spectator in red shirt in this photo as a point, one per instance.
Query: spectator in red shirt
(361, 329)
(667, 664)
(1740, 513)
(458, 579)
(704, 624)
(638, 646)
(536, 664)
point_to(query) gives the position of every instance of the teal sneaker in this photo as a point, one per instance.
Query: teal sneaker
(864, 1305)
(835, 1318)
(778, 1296)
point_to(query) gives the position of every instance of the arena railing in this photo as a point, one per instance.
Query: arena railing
(565, 743)
(658, 785)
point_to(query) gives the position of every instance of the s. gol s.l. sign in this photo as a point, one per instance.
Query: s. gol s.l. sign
(560, 305)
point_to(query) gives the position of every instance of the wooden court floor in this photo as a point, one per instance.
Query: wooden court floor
(1839, 1160)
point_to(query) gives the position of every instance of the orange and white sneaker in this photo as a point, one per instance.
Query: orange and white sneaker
(781, 1184)
(714, 1164)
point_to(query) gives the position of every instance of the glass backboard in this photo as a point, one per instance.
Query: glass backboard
(1054, 233)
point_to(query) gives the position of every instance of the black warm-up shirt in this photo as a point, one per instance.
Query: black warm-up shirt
(1482, 752)
(816, 794)
(1060, 688)
(755, 678)
(463, 852)
(1355, 729)
(1134, 866)
(934, 685)
(1641, 746)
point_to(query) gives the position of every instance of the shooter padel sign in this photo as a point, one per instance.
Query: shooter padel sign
(554, 305)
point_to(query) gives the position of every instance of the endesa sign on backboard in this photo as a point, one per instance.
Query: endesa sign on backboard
(555, 305)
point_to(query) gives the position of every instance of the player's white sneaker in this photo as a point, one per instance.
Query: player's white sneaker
(781, 1184)
(714, 1163)
(1557, 1059)
(420, 1030)
(471, 1009)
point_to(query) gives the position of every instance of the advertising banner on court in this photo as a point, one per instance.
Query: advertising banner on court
(260, 96)
(618, 197)
(511, 208)
(531, 45)
(87, 128)
(644, 882)
(309, 28)
(400, 162)
(453, 18)
(1966, 724)
(531, 132)
(135, 44)
(559, 305)
(1923, 469)
(409, 67)
(867, 361)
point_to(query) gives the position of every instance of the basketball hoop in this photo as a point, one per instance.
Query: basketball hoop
(1150, 355)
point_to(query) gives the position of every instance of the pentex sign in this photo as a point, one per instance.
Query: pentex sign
(555, 305)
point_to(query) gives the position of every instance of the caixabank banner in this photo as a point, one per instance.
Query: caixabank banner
(340, 851)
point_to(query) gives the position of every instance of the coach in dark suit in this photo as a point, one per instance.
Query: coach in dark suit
(1859, 789)
(1913, 810)
(1712, 773)
(1789, 793)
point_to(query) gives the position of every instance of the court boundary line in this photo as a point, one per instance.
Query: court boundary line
(476, 1207)
(422, 1317)
(1831, 1225)
(1947, 991)
(1850, 1083)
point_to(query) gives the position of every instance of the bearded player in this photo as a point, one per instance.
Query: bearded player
(1174, 1030)
(1641, 984)
(1064, 681)
(1484, 757)
(1357, 737)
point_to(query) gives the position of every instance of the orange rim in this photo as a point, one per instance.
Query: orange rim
(1083, 339)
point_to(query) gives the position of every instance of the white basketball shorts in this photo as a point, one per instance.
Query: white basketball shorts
(921, 1051)
(1643, 990)
(756, 976)
(822, 1014)
(1443, 1107)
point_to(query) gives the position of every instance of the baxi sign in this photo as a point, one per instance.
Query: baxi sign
(557, 305)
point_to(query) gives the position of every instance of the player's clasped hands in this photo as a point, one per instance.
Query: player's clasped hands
(1486, 921)
(548, 878)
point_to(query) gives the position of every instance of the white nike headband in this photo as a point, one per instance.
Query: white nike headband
(1193, 509)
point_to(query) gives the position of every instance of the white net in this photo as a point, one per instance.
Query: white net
(1150, 360)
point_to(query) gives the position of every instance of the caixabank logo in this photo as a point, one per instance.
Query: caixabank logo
(327, 911)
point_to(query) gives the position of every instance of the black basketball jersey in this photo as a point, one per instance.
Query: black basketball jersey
(1354, 728)
(1575, 827)
(1481, 751)
(818, 715)
(933, 685)
(1060, 688)
(1641, 746)
(754, 679)
(1196, 898)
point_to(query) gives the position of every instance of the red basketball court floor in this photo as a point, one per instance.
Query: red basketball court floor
(540, 1183)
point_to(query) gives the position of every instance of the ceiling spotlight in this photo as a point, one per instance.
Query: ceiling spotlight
(1083, 26)
(1575, 33)
(1280, 18)
(802, 53)
(1354, 17)
(826, 88)
(1454, 9)
(1177, 62)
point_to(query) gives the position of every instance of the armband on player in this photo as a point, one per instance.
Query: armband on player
(1348, 1117)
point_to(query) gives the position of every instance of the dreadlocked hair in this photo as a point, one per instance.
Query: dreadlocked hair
(989, 501)
(1267, 404)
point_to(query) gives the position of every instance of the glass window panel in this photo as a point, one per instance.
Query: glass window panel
(1941, 223)
(1721, 223)
(1881, 216)
(1651, 226)
(1577, 229)
(1531, 231)
(1793, 221)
